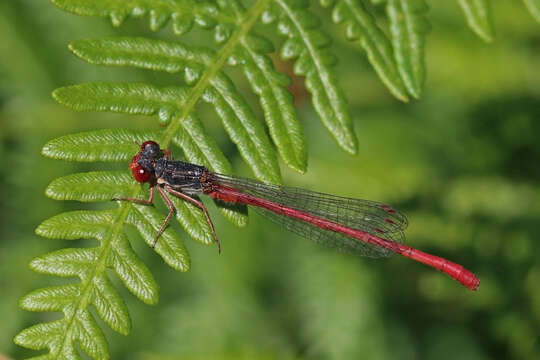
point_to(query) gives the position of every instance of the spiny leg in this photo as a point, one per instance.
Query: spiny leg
(166, 221)
(139, 201)
(201, 206)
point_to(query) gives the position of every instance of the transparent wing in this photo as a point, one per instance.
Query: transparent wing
(372, 217)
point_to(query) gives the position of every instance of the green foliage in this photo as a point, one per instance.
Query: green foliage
(276, 102)
(534, 8)
(89, 265)
(308, 46)
(398, 60)
(360, 25)
(408, 26)
(478, 18)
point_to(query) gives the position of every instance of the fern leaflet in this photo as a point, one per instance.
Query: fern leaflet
(478, 17)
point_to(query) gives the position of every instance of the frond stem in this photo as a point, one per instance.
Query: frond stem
(196, 92)
(100, 267)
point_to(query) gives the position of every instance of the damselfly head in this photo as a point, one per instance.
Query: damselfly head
(148, 152)
(150, 149)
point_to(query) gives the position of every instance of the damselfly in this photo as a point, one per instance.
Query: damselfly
(360, 227)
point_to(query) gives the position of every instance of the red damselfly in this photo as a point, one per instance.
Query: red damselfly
(361, 227)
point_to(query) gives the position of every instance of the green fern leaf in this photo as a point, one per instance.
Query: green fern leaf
(136, 277)
(93, 186)
(243, 129)
(238, 119)
(309, 46)
(96, 225)
(276, 102)
(360, 26)
(145, 53)
(51, 335)
(53, 298)
(478, 17)
(65, 262)
(77, 225)
(408, 26)
(100, 145)
(183, 13)
(147, 220)
(202, 70)
(110, 306)
(89, 265)
(127, 98)
(534, 8)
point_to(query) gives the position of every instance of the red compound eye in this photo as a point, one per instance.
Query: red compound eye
(139, 173)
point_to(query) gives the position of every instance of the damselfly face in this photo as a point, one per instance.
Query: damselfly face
(142, 164)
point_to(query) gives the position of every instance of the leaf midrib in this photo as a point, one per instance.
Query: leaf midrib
(195, 93)
(98, 269)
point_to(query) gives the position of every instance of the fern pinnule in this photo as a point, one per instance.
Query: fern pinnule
(478, 17)
(408, 27)
(276, 102)
(244, 130)
(111, 145)
(534, 8)
(238, 119)
(184, 14)
(308, 46)
(360, 25)
(127, 98)
(89, 265)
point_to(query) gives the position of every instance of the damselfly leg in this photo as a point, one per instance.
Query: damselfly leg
(172, 209)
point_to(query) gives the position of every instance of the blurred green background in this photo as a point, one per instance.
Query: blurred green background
(463, 163)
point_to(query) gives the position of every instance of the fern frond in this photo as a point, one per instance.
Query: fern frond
(183, 13)
(95, 225)
(478, 17)
(237, 117)
(276, 102)
(308, 45)
(360, 26)
(90, 265)
(534, 8)
(408, 26)
(243, 129)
